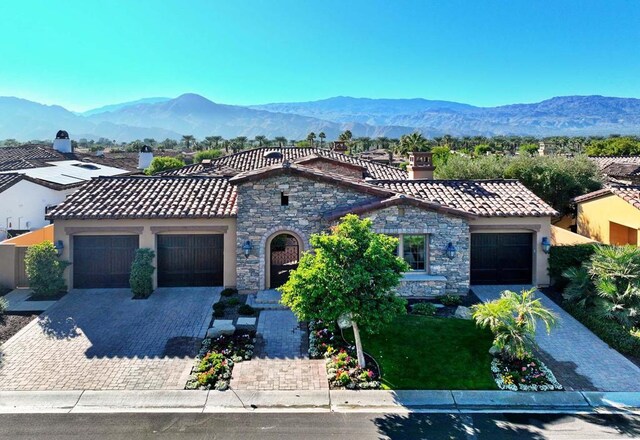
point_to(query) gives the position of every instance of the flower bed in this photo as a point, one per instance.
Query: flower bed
(528, 374)
(342, 362)
(215, 361)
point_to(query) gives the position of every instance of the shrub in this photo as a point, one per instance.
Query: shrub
(219, 306)
(229, 292)
(141, 278)
(162, 163)
(207, 154)
(425, 309)
(3, 305)
(45, 270)
(562, 258)
(450, 300)
(246, 309)
(233, 301)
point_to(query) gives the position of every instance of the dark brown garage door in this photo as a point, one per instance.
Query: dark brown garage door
(190, 260)
(103, 261)
(501, 258)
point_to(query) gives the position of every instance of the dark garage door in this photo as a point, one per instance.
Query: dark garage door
(501, 258)
(103, 261)
(190, 260)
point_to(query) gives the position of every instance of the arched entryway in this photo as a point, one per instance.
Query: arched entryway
(283, 254)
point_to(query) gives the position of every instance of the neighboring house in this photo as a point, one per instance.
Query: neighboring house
(610, 215)
(35, 178)
(243, 221)
(619, 169)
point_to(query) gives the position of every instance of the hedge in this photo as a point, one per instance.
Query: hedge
(617, 336)
(141, 278)
(562, 258)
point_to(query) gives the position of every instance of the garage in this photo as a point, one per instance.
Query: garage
(501, 258)
(188, 260)
(103, 261)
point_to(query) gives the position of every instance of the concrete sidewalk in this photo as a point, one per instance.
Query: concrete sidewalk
(12, 402)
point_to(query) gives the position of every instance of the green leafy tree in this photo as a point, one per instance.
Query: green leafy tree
(141, 278)
(440, 155)
(45, 270)
(207, 154)
(528, 149)
(163, 163)
(614, 146)
(352, 272)
(482, 149)
(512, 320)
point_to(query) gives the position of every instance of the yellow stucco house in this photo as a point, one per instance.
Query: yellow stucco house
(610, 215)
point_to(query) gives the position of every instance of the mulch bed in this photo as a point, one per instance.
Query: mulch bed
(11, 324)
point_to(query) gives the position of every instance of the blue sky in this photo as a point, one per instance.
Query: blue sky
(83, 53)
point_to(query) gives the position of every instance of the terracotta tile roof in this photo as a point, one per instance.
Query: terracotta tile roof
(8, 180)
(486, 198)
(134, 197)
(621, 169)
(628, 193)
(28, 153)
(254, 159)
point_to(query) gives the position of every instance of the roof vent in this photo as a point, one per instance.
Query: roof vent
(272, 155)
(62, 143)
(62, 134)
(145, 157)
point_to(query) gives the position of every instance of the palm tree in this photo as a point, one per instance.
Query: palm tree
(241, 141)
(216, 139)
(346, 135)
(260, 140)
(188, 139)
(412, 142)
(383, 142)
(281, 140)
(311, 137)
(512, 320)
(322, 137)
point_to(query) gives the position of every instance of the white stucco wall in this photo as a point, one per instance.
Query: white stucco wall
(26, 202)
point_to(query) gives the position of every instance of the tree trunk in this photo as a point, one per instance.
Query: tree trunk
(356, 336)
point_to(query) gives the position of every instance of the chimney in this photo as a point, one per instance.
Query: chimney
(206, 163)
(62, 143)
(145, 156)
(420, 165)
(339, 146)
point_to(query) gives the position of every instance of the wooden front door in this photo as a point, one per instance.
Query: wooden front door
(285, 253)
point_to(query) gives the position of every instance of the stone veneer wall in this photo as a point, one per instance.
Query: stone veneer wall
(442, 229)
(260, 215)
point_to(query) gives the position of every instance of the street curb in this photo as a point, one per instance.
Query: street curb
(373, 401)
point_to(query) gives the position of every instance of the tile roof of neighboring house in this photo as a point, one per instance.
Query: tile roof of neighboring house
(617, 166)
(36, 156)
(628, 193)
(256, 158)
(487, 198)
(8, 180)
(134, 197)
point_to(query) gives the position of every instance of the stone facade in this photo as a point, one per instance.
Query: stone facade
(261, 216)
(442, 230)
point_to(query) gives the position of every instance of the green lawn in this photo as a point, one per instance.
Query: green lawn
(418, 352)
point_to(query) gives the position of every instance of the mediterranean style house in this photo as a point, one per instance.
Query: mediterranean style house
(243, 221)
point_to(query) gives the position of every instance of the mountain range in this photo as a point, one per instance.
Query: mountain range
(193, 114)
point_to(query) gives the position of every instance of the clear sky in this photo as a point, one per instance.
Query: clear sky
(84, 53)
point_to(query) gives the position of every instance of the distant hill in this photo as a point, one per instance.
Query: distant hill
(114, 107)
(196, 115)
(193, 114)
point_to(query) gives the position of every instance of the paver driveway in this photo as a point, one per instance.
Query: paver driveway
(572, 343)
(102, 339)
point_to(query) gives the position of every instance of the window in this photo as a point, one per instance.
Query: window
(284, 199)
(413, 249)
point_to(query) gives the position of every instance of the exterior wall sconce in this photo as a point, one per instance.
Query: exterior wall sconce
(450, 251)
(59, 247)
(546, 245)
(247, 247)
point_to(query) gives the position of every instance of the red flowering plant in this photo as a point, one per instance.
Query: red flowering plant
(343, 371)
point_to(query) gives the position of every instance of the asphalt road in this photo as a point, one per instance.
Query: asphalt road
(284, 426)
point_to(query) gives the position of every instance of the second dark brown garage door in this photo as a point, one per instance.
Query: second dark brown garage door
(501, 258)
(190, 260)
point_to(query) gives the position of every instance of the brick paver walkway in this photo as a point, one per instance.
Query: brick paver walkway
(281, 361)
(572, 343)
(101, 339)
